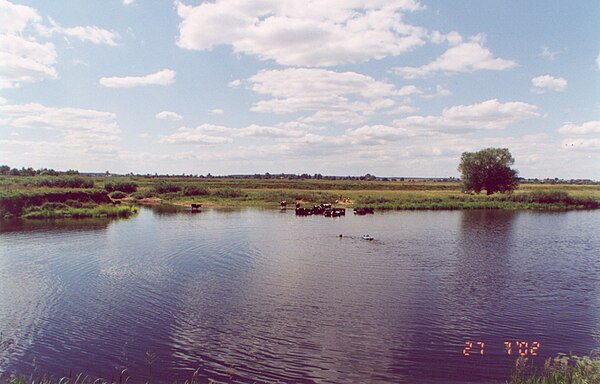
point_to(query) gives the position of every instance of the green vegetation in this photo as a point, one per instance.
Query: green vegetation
(83, 379)
(50, 203)
(117, 195)
(60, 210)
(121, 186)
(25, 196)
(488, 169)
(559, 370)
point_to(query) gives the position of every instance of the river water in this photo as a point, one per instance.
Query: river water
(263, 296)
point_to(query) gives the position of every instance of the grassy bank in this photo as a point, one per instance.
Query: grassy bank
(47, 198)
(559, 370)
(352, 193)
(32, 196)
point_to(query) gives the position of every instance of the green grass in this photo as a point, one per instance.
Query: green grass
(561, 369)
(61, 211)
(20, 192)
(123, 378)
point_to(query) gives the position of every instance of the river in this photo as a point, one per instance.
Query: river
(263, 296)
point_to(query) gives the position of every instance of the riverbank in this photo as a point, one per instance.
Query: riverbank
(561, 369)
(46, 203)
(47, 197)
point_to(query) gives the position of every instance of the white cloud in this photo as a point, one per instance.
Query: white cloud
(460, 57)
(341, 97)
(164, 77)
(15, 18)
(546, 82)
(217, 111)
(128, 2)
(305, 33)
(377, 134)
(441, 91)
(78, 134)
(185, 135)
(598, 61)
(488, 115)
(548, 54)
(22, 58)
(90, 34)
(268, 132)
(235, 83)
(38, 116)
(402, 109)
(168, 115)
(583, 129)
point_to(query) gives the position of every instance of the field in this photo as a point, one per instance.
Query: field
(78, 196)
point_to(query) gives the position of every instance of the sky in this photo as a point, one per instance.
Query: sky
(337, 87)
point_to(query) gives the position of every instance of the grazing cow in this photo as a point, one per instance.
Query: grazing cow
(196, 207)
(283, 204)
(304, 211)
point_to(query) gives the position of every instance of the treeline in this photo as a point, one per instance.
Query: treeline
(6, 170)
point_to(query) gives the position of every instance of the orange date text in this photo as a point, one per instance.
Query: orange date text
(516, 348)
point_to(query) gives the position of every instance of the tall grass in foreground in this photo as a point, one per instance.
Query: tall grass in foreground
(80, 378)
(65, 211)
(561, 369)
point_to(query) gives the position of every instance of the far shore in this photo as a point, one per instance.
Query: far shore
(116, 196)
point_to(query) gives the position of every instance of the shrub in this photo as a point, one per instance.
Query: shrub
(144, 194)
(163, 187)
(117, 195)
(228, 193)
(65, 182)
(123, 186)
(552, 197)
(14, 203)
(194, 190)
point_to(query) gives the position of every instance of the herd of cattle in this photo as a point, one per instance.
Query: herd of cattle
(326, 210)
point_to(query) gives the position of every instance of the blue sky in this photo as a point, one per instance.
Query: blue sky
(392, 88)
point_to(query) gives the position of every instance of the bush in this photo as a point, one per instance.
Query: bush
(65, 182)
(144, 194)
(122, 186)
(552, 197)
(15, 203)
(194, 190)
(117, 195)
(228, 193)
(163, 187)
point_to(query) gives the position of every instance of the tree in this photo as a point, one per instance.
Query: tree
(488, 169)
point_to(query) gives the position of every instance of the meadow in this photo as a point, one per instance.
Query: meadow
(116, 196)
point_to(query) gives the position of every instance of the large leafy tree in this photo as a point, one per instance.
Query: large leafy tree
(488, 169)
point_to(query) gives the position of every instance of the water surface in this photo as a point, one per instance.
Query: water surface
(263, 296)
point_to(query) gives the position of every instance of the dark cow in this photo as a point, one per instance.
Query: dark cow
(304, 211)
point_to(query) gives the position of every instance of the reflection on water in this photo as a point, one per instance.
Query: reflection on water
(250, 295)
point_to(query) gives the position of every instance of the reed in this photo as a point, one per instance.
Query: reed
(62, 211)
(561, 369)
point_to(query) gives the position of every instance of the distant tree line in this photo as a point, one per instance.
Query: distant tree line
(6, 170)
